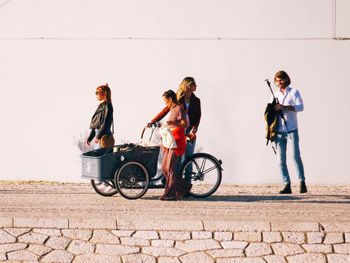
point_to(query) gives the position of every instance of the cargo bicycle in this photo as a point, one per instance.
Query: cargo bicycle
(131, 169)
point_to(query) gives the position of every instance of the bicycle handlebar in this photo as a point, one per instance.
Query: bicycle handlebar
(143, 131)
(155, 125)
(150, 125)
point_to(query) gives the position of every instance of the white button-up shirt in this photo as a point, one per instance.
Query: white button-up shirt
(291, 97)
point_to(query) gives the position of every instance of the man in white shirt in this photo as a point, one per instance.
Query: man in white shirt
(290, 103)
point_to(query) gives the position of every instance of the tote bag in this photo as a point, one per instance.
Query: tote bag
(168, 140)
(107, 141)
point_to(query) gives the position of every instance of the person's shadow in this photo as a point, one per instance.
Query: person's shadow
(234, 198)
(308, 198)
(249, 198)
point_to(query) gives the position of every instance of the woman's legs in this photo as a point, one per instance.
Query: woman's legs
(168, 173)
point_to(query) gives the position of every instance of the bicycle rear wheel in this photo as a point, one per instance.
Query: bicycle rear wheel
(205, 173)
(132, 180)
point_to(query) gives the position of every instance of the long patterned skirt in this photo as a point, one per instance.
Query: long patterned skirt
(176, 187)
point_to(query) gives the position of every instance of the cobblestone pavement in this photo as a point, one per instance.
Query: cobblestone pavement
(35, 244)
(53, 222)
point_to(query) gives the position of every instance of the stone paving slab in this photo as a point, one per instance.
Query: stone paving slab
(40, 222)
(83, 223)
(6, 221)
(294, 226)
(218, 225)
(336, 227)
(130, 224)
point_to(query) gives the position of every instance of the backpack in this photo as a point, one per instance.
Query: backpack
(271, 118)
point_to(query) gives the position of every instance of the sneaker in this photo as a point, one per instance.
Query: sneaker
(303, 188)
(286, 190)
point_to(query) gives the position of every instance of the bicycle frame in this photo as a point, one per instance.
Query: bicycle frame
(159, 181)
(132, 169)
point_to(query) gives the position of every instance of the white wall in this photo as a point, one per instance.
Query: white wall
(54, 53)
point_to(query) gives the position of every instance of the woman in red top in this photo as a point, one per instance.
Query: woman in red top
(175, 187)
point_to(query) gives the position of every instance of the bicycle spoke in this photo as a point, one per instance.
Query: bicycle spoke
(132, 180)
(203, 165)
(205, 176)
(209, 169)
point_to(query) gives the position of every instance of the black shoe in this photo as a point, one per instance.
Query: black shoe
(303, 188)
(286, 190)
(170, 198)
(167, 198)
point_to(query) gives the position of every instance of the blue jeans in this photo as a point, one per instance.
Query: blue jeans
(281, 146)
(189, 151)
(95, 145)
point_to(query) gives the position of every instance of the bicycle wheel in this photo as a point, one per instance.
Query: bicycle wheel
(205, 173)
(132, 180)
(104, 188)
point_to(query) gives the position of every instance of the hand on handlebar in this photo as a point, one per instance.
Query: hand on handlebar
(153, 124)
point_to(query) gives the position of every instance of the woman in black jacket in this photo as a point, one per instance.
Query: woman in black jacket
(192, 105)
(102, 119)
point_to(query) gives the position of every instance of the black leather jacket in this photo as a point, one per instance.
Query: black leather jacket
(101, 120)
(194, 112)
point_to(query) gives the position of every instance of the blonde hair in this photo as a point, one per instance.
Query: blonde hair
(184, 86)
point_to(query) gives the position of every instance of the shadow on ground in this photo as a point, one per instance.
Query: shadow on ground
(312, 199)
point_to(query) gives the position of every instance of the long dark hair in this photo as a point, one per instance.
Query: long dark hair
(170, 94)
(105, 89)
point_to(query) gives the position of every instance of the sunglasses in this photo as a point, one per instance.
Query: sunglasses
(99, 92)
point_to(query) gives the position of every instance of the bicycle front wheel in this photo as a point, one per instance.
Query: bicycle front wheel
(104, 188)
(205, 173)
(132, 180)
